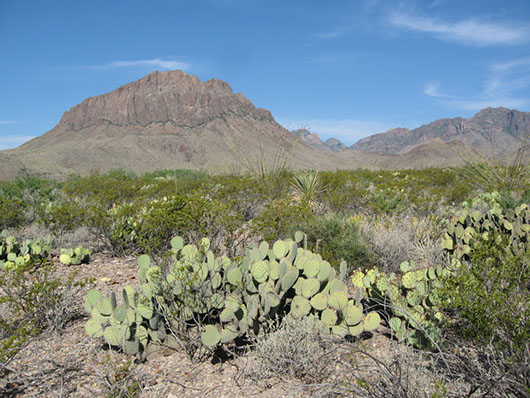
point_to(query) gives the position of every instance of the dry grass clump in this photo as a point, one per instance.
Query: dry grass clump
(294, 349)
(395, 239)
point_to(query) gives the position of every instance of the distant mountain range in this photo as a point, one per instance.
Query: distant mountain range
(169, 120)
(503, 127)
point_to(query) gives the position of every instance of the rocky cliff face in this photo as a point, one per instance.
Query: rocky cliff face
(162, 97)
(505, 128)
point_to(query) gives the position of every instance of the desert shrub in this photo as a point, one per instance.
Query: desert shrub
(95, 195)
(490, 294)
(32, 300)
(21, 198)
(395, 239)
(337, 238)
(279, 216)
(12, 214)
(61, 216)
(421, 192)
(176, 175)
(493, 174)
(346, 192)
(146, 226)
(293, 348)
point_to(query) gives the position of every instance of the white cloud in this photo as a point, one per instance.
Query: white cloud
(432, 90)
(510, 65)
(13, 141)
(348, 131)
(9, 122)
(163, 64)
(468, 32)
(504, 86)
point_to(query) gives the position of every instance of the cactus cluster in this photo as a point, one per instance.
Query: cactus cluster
(132, 324)
(76, 256)
(16, 256)
(469, 225)
(409, 303)
(231, 298)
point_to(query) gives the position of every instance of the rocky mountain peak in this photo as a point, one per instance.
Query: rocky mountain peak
(163, 97)
(312, 139)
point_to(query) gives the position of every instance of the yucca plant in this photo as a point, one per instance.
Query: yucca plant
(493, 175)
(307, 184)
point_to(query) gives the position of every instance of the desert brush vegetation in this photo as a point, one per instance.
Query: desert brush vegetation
(407, 283)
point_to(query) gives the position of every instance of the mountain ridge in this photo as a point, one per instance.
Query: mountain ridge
(170, 119)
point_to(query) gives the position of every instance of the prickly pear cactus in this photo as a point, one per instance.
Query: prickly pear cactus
(17, 256)
(409, 303)
(470, 224)
(76, 256)
(226, 299)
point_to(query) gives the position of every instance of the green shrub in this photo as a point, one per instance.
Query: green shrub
(26, 194)
(336, 238)
(278, 218)
(490, 293)
(12, 214)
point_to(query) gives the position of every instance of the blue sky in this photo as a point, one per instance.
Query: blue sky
(345, 69)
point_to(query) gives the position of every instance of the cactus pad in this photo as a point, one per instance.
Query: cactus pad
(112, 335)
(280, 249)
(352, 315)
(310, 287)
(357, 278)
(311, 268)
(260, 271)
(210, 336)
(144, 261)
(338, 300)
(289, 279)
(395, 324)
(329, 316)
(300, 306)
(319, 301)
(93, 328)
(235, 276)
(371, 321)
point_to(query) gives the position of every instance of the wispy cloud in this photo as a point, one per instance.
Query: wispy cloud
(10, 122)
(504, 86)
(348, 131)
(473, 32)
(334, 33)
(13, 141)
(162, 64)
(432, 90)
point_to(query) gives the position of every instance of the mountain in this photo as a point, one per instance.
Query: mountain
(312, 139)
(504, 128)
(171, 120)
(165, 120)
